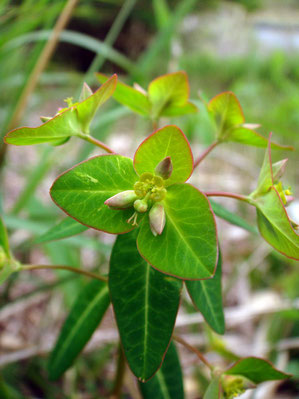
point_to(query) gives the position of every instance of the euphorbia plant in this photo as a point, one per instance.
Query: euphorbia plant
(166, 233)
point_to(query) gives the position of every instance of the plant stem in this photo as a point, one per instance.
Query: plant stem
(96, 142)
(192, 349)
(205, 153)
(239, 197)
(68, 268)
(120, 373)
(42, 62)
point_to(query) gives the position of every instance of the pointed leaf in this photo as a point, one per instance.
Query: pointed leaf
(168, 91)
(4, 245)
(227, 111)
(83, 319)
(250, 137)
(229, 118)
(82, 190)
(275, 226)
(207, 297)
(145, 304)
(167, 383)
(74, 121)
(128, 96)
(213, 390)
(256, 370)
(68, 227)
(86, 109)
(171, 142)
(187, 248)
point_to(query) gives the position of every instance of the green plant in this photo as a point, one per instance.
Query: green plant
(147, 201)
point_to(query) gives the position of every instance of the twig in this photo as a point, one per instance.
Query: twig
(68, 268)
(193, 349)
(120, 373)
(239, 197)
(96, 142)
(206, 152)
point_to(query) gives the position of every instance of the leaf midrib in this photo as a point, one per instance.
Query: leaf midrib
(186, 242)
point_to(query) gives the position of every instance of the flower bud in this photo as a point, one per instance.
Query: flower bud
(164, 168)
(278, 169)
(141, 205)
(85, 92)
(122, 200)
(157, 218)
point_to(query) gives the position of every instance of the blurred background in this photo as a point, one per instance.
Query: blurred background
(250, 47)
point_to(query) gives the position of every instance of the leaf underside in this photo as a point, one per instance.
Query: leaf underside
(145, 304)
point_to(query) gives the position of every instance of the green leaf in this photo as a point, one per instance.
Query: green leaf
(82, 190)
(82, 321)
(275, 226)
(256, 370)
(4, 244)
(232, 218)
(74, 121)
(247, 136)
(174, 110)
(207, 297)
(168, 93)
(167, 383)
(230, 122)
(128, 96)
(187, 248)
(68, 227)
(213, 390)
(227, 112)
(167, 96)
(145, 304)
(171, 142)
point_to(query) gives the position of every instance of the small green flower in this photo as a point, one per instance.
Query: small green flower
(176, 225)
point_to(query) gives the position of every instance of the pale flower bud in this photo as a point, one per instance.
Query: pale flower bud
(164, 168)
(122, 200)
(157, 218)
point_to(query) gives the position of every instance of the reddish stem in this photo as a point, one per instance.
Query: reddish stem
(96, 142)
(239, 197)
(206, 152)
(193, 349)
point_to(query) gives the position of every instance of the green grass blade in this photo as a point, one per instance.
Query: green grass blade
(78, 328)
